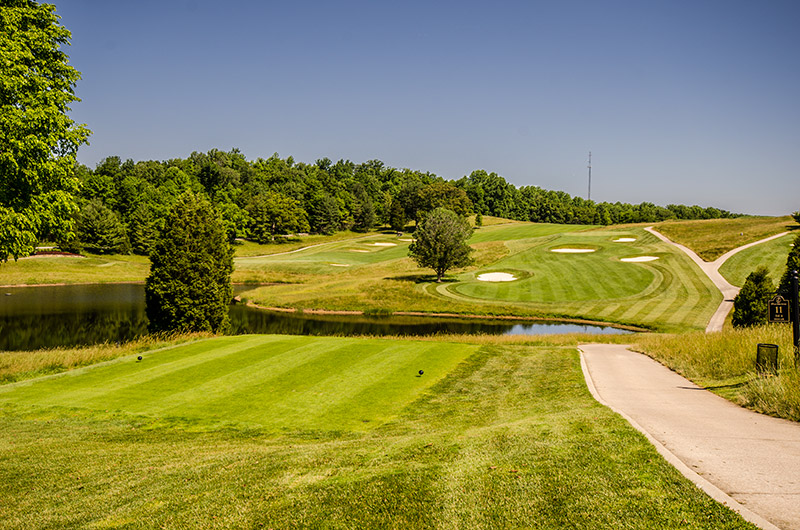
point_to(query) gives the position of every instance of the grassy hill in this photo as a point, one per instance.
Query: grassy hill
(714, 237)
(771, 254)
(298, 432)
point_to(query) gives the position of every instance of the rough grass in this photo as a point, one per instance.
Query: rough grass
(19, 365)
(507, 438)
(771, 254)
(39, 270)
(712, 238)
(724, 362)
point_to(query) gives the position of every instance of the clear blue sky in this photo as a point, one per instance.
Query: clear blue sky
(680, 101)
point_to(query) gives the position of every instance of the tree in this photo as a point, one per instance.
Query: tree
(274, 214)
(363, 209)
(792, 264)
(397, 216)
(101, 231)
(38, 140)
(441, 242)
(189, 286)
(750, 305)
(444, 195)
(142, 229)
(796, 216)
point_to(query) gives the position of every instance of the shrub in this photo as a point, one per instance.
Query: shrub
(750, 305)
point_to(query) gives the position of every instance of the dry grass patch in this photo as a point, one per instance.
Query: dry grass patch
(714, 237)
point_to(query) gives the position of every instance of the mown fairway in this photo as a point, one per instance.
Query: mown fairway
(670, 292)
(771, 254)
(492, 436)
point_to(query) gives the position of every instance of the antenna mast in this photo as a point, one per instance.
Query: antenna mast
(589, 196)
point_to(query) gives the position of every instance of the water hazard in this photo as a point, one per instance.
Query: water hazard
(47, 317)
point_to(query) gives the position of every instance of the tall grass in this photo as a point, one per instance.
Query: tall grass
(724, 362)
(19, 365)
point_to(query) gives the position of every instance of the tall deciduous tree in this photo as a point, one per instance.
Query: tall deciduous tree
(189, 286)
(38, 140)
(441, 242)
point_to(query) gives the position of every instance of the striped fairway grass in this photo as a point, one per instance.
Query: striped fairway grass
(268, 381)
(771, 254)
(491, 436)
(668, 293)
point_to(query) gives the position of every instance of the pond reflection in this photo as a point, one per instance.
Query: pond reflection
(46, 317)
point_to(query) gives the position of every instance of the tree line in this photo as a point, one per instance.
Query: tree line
(123, 204)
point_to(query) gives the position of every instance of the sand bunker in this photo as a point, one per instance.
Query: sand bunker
(573, 250)
(639, 259)
(384, 244)
(358, 250)
(496, 277)
(407, 239)
(625, 240)
(338, 264)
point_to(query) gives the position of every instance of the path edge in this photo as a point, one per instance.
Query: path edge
(707, 487)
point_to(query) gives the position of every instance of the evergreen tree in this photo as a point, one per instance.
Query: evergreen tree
(397, 216)
(792, 264)
(189, 286)
(441, 242)
(750, 307)
(100, 230)
(363, 210)
(142, 229)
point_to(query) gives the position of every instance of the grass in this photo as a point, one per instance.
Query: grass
(372, 273)
(92, 268)
(724, 362)
(21, 365)
(771, 254)
(668, 294)
(714, 237)
(499, 436)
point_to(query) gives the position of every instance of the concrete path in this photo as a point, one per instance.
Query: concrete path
(711, 269)
(749, 461)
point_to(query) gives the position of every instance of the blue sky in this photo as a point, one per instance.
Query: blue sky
(692, 102)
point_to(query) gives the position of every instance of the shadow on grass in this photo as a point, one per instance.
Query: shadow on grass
(716, 387)
(420, 278)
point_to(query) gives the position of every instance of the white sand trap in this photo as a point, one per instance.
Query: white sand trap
(338, 264)
(625, 240)
(384, 244)
(639, 259)
(496, 277)
(573, 250)
(407, 240)
(358, 250)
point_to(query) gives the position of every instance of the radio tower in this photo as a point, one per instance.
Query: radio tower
(589, 196)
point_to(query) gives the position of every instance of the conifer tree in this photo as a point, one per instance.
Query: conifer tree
(189, 286)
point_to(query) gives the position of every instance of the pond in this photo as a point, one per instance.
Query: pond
(69, 315)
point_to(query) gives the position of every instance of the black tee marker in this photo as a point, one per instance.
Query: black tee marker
(421, 372)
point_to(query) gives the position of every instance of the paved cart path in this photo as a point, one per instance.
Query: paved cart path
(749, 461)
(711, 269)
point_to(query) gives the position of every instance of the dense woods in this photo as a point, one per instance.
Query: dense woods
(124, 203)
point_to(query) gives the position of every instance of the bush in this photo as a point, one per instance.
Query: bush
(750, 307)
